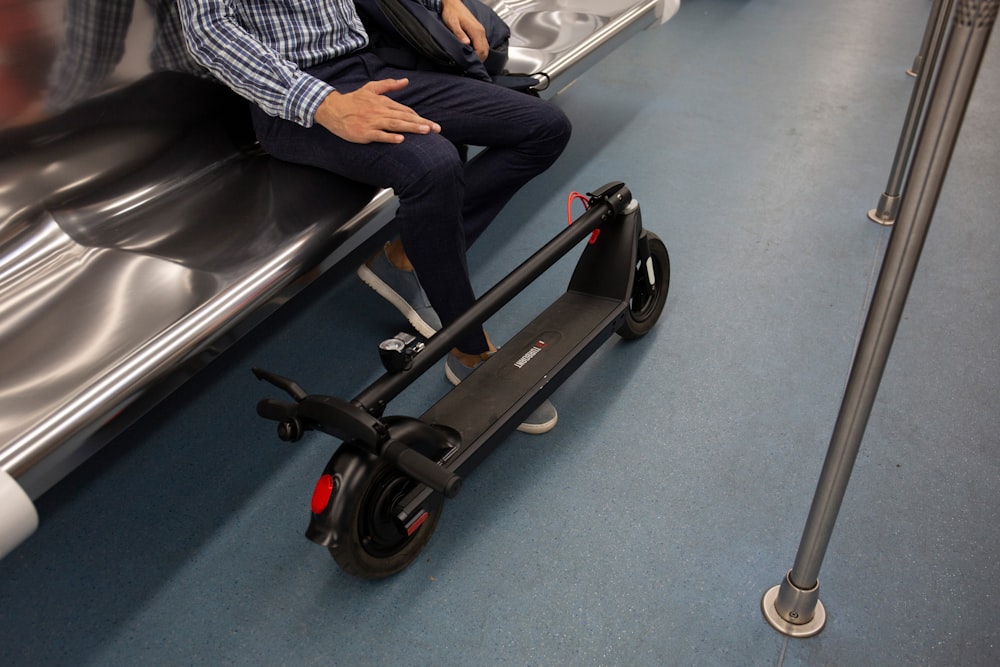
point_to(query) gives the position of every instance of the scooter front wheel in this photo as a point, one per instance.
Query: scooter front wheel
(649, 287)
(374, 544)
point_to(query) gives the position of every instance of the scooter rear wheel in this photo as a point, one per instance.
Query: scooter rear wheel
(649, 288)
(375, 545)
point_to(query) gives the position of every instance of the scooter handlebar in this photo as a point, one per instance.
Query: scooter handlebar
(276, 410)
(422, 469)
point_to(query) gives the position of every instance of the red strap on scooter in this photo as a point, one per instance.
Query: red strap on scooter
(569, 213)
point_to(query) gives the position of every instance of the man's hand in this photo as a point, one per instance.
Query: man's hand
(367, 115)
(460, 21)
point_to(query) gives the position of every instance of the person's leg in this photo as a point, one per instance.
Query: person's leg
(426, 173)
(443, 205)
(524, 135)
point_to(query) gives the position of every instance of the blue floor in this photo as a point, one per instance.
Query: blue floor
(646, 527)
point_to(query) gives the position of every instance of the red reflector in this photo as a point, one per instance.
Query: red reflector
(416, 523)
(322, 493)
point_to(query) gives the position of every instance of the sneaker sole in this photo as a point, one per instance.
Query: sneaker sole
(452, 378)
(369, 278)
(538, 429)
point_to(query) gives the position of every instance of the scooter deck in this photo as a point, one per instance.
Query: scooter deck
(493, 401)
(522, 373)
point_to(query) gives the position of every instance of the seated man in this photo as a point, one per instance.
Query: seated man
(323, 99)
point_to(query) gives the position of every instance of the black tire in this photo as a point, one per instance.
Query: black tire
(373, 544)
(648, 296)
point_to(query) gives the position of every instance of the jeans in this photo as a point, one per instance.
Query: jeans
(444, 204)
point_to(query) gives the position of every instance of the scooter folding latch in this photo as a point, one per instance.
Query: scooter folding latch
(615, 194)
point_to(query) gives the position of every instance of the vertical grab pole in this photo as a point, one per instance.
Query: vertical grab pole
(918, 60)
(793, 608)
(888, 203)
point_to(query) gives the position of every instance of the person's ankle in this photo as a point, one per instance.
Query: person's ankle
(469, 360)
(397, 255)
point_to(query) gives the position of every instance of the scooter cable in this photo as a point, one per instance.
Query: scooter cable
(573, 196)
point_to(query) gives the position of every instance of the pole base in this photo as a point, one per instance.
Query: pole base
(885, 213)
(801, 631)
(873, 215)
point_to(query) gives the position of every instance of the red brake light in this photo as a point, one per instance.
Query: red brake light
(321, 494)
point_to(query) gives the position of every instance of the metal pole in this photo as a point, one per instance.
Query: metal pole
(888, 203)
(918, 60)
(793, 608)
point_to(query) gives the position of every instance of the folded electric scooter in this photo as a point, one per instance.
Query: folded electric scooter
(381, 495)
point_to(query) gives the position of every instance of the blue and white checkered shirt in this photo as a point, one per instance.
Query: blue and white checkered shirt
(260, 47)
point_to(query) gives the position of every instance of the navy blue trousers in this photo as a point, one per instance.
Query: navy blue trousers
(444, 204)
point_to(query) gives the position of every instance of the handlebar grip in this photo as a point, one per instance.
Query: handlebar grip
(275, 410)
(422, 469)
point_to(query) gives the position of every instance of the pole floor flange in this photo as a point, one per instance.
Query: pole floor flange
(886, 211)
(798, 630)
(874, 217)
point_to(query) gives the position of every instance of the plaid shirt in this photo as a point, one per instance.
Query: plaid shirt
(260, 47)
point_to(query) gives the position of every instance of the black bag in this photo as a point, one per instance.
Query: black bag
(409, 35)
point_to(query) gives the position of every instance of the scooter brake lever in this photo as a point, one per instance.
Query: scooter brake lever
(290, 387)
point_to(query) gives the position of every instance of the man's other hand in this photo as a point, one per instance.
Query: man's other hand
(460, 21)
